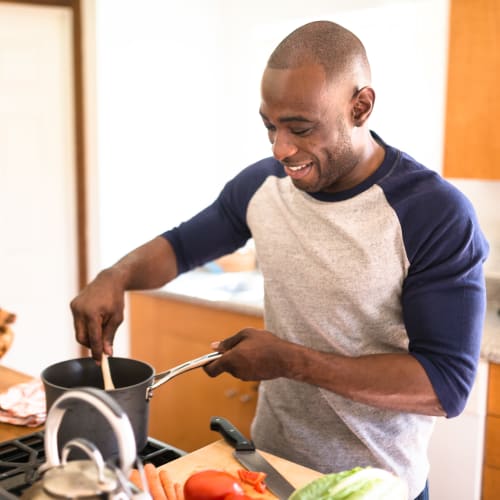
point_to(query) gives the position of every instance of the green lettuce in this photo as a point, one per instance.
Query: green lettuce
(360, 483)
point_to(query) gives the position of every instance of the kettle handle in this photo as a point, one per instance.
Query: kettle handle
(110, 409)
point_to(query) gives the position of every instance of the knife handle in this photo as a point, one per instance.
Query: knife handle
(231, 434)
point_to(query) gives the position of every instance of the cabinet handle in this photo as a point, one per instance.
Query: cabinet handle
(230, 393)
(245, 398)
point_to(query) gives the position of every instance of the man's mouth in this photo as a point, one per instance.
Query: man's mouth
(298, 171)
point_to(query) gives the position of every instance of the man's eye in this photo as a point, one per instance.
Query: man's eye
(301, 131)
(269, 127)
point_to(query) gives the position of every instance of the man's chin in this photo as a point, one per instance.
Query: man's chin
(304, 186)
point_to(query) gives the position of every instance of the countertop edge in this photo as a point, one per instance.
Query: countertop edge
(227, 305)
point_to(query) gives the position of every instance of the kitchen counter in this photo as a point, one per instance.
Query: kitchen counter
(241, 292)
(218, 455)
(8, 378)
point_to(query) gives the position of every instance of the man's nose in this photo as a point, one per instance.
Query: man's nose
(283, 146)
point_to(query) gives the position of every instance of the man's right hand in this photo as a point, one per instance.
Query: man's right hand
(98, 308)
(97, 313)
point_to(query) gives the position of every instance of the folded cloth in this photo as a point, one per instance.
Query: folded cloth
(24, 404)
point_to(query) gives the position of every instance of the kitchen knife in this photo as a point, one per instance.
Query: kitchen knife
(250, 458)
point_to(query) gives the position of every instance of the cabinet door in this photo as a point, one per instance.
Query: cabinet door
(166, 332)
(491, 471)
(494, 390)
(472, 140)
(491, 483)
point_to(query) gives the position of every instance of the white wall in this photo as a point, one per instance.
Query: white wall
(485, 196)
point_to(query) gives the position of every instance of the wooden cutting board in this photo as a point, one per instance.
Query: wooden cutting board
(219, 455)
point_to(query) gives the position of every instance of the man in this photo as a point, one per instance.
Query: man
(372, 264)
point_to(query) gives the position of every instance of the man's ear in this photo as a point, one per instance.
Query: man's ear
(362, 105)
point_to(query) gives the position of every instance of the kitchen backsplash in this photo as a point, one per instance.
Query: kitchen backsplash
(493, 291)
(485, 196)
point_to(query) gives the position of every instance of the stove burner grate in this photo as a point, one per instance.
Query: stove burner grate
(21, 457)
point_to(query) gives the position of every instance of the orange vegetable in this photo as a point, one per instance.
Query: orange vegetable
(255, 479)
(179, 491)
(135, 478)
(155, 487)
(159, 483)
(169, 486)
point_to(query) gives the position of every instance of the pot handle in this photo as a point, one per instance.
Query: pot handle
(165, 376)
(104, 403)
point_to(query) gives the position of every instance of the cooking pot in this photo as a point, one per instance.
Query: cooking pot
(90, 478)
(134, 384)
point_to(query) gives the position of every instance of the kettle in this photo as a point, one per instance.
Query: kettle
(90, 478)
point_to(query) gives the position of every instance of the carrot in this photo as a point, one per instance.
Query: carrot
(135, 478)
(160, 485)
(178, 491)
(168, 485)
(155, 487)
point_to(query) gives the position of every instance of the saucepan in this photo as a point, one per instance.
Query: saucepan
(134, 383)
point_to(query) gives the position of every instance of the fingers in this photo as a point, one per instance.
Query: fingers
(217, 367)
(94, 335)
(213, 369)
(108, 333)
(230, 342)
(80, 331)
(96, 332)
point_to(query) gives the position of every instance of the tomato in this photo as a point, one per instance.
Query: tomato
(237, 496)
(256, 479)
(211, 485)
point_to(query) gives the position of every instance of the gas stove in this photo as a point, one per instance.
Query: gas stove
(20, 458)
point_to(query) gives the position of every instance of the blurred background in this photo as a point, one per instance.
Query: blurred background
(121, 118)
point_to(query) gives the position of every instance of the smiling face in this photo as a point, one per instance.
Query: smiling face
(313, 128)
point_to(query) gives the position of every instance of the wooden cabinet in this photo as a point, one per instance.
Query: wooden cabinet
(472, 138)
(166, 332)
(491, 471)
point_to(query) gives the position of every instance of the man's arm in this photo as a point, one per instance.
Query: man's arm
(98, 308)
(390, 381)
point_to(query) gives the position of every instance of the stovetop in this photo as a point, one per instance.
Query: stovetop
(20, 459)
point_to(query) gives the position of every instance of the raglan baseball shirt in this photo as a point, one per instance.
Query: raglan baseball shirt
(391, 265)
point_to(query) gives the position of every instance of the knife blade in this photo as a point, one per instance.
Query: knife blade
(250, 458)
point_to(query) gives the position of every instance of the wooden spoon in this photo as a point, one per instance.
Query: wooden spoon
(106, 373)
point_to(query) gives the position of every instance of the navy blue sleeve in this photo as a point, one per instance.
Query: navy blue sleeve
(444, 296)
(221, 228)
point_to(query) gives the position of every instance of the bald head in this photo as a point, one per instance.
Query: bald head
(336, 49)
